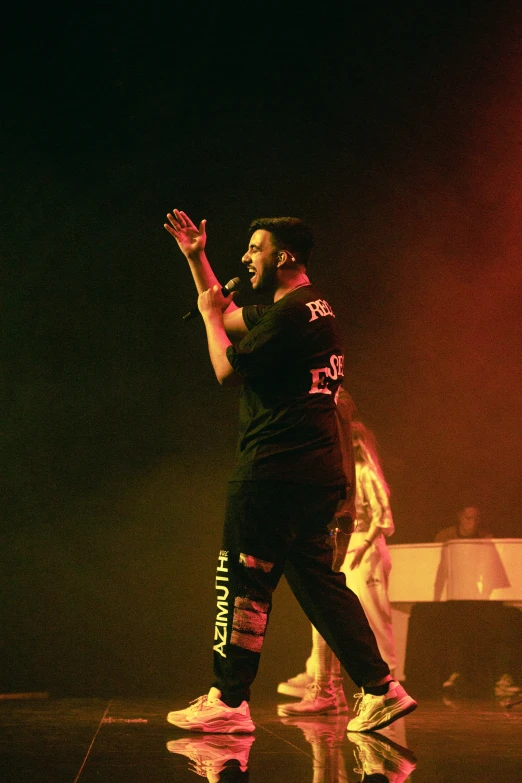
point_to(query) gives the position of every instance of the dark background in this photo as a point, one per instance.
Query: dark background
(396, 132)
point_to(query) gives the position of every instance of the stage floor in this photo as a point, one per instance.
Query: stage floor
(129, 741)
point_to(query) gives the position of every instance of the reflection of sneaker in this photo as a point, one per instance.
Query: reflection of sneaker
(210, 714)
(375, 712)
(326, 736)
(296, 686)
(396, 732)
(378, 755)
(505, 686)
(318, 700)
(210, 755)
(326, 731)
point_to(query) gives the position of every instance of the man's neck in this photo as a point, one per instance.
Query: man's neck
(296, 281)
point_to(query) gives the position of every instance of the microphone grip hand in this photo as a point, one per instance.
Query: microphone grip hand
(214, 301)
(230, 288)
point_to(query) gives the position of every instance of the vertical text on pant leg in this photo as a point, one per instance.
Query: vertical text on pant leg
(221, 628)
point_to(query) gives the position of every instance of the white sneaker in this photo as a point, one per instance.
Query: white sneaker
(375, 712)
(296, 686)
(209, 714)
(318, 700)
(505, 686)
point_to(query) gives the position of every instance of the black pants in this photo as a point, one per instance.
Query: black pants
(271, 528)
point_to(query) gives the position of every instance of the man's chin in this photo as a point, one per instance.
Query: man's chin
(261, 286)
(264, 284)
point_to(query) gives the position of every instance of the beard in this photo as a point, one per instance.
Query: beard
(267, 280)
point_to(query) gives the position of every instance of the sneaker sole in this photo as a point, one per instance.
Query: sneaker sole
(388, 718)
(215, 727)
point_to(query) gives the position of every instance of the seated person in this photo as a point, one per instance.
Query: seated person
(485, 627)
(468, 526)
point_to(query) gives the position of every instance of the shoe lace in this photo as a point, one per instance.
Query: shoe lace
(362, 703)
(358, 701)
(199, 703)
(199, 767)
(359, 761)
(312, 691)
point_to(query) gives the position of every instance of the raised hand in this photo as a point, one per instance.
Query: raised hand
(191, 239)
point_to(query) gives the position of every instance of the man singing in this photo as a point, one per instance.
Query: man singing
(287, 480)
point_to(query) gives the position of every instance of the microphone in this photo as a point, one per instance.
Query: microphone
(232, 285)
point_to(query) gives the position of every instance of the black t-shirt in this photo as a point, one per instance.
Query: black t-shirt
(292, 362)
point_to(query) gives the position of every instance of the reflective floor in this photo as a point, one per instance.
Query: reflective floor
(89, 740)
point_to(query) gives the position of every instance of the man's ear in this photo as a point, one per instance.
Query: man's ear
(284, 256)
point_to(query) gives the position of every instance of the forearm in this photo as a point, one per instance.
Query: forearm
(218, 342)
(192, 240)
(203, 275)
(379, 506)
(202, 272)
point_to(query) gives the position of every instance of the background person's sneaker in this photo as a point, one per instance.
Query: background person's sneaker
(505, 686)
(209, 714)
(296, 686)
(318, 700)
(375, 712)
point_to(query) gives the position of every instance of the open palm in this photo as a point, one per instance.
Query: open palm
(190, 238)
